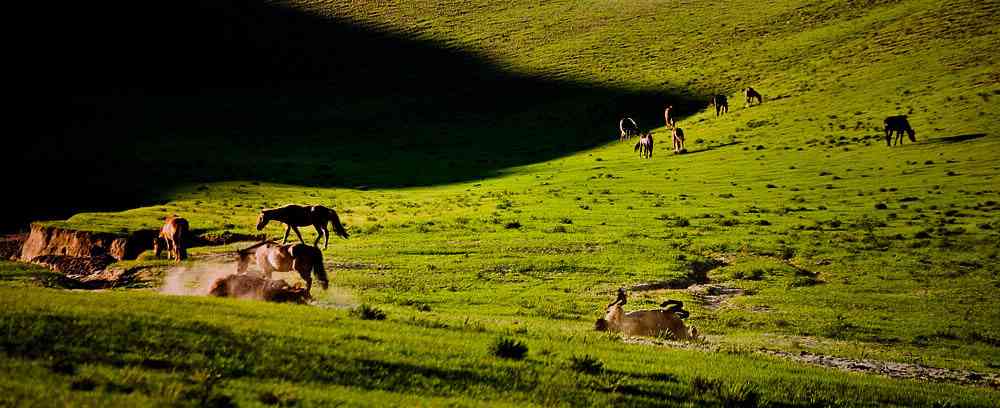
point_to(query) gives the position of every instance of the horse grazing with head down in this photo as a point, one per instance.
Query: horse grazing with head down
(271, 257)
(627, 128)
(898, 124)
(171, 237)
(645, 146)
(294, 216)
(752, 95)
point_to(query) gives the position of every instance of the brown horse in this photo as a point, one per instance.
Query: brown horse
(752, 95)
(721, 104)
(678, 136)
(898, 125)
(294, 216)
(271, 257)
(666, 321)
(645, 146)
(172, 237)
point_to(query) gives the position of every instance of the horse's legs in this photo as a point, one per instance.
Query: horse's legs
(288, 228)
(299, 234)
(305, 272)
(321, 231)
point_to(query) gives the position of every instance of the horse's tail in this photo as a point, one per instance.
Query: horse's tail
(337, 226)
(320, 270)
(636, 149)
(181, 232)
(182, 253)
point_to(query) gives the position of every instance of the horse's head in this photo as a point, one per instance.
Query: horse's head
(157, 246)
(262, 220)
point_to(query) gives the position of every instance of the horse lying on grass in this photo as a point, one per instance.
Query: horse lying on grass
(668, 320)
(255, 287)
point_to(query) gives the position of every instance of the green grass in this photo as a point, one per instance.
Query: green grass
(785, 193)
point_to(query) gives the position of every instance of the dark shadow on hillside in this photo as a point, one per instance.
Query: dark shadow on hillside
(712, 147)
(139, 99)
(958, 138)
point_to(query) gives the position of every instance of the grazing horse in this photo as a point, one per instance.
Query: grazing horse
(294, 216)
(678, 136)
(721, 104)
(172, 237)
(752, 95)
(271, 257)
(644, 146)
(628, 129)
(898, 124)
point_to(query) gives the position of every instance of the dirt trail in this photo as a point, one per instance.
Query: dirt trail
(892, 369)
(884, 368)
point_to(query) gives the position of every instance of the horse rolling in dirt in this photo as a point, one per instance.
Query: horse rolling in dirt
(628, 129)
(752, 95)
(171, 237)
(645, 146)
(294, 216)
(721, 104)
(898, 124)
(271, 257)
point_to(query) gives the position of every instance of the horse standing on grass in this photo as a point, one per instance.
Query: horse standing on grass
(898, 124)
(628, 129)
(645, 146)
(294, 216)
(271, 257)
(721, 104)
(752, 95)
(171, 237)
(678, 136)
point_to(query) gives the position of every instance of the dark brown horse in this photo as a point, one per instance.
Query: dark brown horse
(721, 104)
(898, 124)
(171, 237)
(294, 216)
(752, 95)
(271, 257)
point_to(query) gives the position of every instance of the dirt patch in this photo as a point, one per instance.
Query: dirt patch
(10, 246)
(225, 238)
(75, 265)
(46, 240)
(698, 270)
(713, 295)
(254, 287)
(892, 369)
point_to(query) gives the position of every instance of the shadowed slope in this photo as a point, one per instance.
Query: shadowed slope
(142, 100)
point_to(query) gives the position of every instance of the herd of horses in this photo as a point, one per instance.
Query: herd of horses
(628, 128)
(269, 255)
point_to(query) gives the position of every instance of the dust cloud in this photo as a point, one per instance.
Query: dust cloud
(195, 280)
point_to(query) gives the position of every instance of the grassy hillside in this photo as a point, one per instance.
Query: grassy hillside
(840, 245)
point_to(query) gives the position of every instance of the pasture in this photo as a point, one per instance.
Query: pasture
(473, 232)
